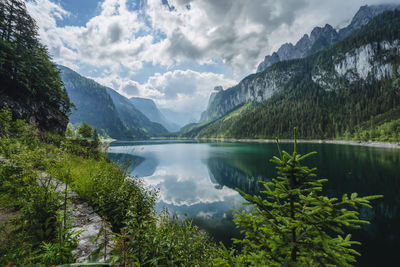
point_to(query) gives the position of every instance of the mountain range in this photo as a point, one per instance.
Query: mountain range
(148, 107)
(103, 108)
(321, 38)
(327, 84)
(339, 81)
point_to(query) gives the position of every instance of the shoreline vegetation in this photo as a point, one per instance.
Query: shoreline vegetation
(43, 234)
(310, 141)
(293, 225)
(395, 145)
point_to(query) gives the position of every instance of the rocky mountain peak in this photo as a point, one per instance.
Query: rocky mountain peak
(218, 88)
(327, 32)
(363, 16)
(322, 37)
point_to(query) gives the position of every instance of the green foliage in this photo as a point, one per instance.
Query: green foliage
(292, 225)
(39, 230)
(85, 130)
(95, 135)
(29, 79)
(106, 110)
(382, 128)
(302, 103)
(164, 242)
(126, 203)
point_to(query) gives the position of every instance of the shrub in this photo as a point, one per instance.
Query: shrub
(85, 130)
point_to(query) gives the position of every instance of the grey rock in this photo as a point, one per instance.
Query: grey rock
(304, 47)
(251, 88)
(261, 86)
(34, 112)
(363, 16)
(358, 64)
(216, 90)
(83, 220)
(320, 38)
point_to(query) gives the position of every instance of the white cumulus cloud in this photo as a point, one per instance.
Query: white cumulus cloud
(121, 41)
(178, 90)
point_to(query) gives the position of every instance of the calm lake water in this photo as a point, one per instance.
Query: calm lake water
(197, 180)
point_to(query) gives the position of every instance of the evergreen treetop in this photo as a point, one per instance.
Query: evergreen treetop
(27, 75)
(293, 225)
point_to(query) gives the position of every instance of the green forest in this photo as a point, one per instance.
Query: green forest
(30, 83)
(291, 223)
(349, 111)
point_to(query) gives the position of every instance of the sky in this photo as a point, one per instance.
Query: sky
(176, 51)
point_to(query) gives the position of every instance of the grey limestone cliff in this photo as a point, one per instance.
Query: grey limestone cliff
(321, 38)
(350, 66)
(362, 63)
(253, 88)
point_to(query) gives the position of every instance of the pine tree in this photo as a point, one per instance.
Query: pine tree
(27, 74)
(292, 225)
(85, 130)
(95, 136)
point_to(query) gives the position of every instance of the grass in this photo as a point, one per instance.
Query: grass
(142, 236)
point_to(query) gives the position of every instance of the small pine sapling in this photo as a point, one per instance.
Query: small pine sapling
(293, 225)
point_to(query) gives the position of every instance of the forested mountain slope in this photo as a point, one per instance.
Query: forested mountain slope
(105, 109)
(259, 90)
(133, 117)
(150, 109)
(321, 38)
(324, 95)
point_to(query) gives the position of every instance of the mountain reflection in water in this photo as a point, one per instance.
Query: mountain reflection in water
(197, 180)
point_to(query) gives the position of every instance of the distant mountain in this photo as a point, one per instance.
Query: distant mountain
(321, 38)
(204, 115)
(150, 109)
(325, 95)
(132, 117)
(179, 118)
(106, 110)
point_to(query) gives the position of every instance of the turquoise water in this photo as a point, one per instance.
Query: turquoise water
(197, 180)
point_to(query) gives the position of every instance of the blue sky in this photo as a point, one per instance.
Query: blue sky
(177, 51)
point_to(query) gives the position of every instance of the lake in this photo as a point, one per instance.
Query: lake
(197, 180)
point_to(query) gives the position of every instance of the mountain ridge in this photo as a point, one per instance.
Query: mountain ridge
(321, 38)
(148, 107)
(325, 94)
(228, 99)
(106, 110)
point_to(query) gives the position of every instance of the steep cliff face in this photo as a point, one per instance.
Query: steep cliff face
(367, 62)
(35, 112)
(352, 65)
(324, 95)
(30, 84)
(320, 38)
(364, 15)
(216, 90)
(253, 88)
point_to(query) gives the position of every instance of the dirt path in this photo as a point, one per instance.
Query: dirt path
(84, 220)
